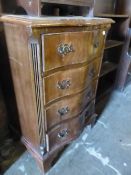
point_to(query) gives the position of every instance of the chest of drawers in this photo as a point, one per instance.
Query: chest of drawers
(55, 65)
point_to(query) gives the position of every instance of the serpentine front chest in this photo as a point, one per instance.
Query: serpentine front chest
(55, 64)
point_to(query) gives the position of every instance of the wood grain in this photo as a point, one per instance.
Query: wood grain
(75, 105)
(55, 140)
(21, 66)
(77, 83)
(72, 83)
(57, 21)
(82, 50)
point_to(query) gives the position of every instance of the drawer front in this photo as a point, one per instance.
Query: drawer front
(94, 68)
(89, 110)
(69, 107)
(70, 81)
(66, 49)
(65, 132)
(99, 42)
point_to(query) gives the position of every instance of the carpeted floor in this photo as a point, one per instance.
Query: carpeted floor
(103, 150)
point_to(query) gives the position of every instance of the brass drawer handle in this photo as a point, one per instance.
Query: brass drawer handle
(63, 133)
(63, 111)
(64, 49)
(65, 84)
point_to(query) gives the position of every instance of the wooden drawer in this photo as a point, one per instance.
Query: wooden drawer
(94, 69)
(62, 49)
(89, 110)
(70, 81)
(64, 133)
(69, 107)
(99, 42)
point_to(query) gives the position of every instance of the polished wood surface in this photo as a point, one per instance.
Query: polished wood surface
(98, 42)
(81, 51)
(69, 107)
(63, 83)
(20, 66)
(64, 132)
(57, 21)
(54, 97)
(89, 46)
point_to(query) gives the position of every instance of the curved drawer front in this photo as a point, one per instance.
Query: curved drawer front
(65, 132)
(94, 68)
(69, 48)
(69, 82)
(69, 107)
(99, 42)
(89, 110)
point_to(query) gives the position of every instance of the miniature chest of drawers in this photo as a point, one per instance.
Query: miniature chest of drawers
(55, 64)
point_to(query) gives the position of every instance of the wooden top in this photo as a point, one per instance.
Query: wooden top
(55, 21)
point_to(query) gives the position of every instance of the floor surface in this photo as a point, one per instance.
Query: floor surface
(103, 150)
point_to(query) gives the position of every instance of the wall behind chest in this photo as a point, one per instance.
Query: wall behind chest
(102, 6)
(7, 6)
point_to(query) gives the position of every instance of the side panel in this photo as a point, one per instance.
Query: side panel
(22, 74)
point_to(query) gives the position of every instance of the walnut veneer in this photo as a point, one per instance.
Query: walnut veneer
(55, 65)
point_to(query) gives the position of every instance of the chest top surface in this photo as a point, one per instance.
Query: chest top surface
(55, 69)
(55, 21)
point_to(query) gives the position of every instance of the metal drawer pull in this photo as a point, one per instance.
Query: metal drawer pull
(63, 111)
(64, 133)
(65, 84)
(64, 49)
